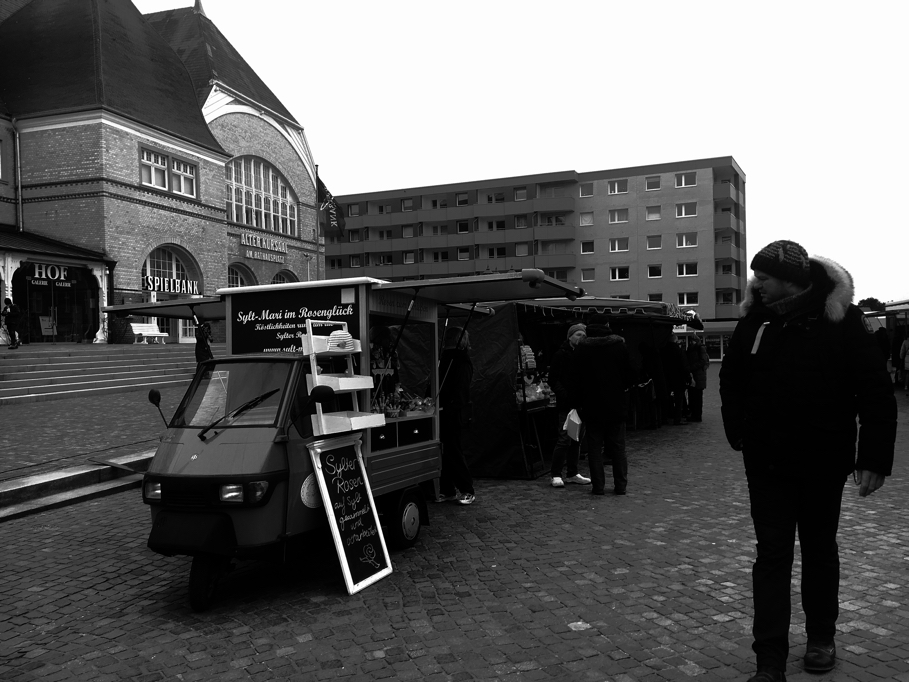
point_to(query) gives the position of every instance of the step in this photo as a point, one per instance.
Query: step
(52, 359)
(179, 384)
(88, 369)
(79, 383)
(69, 379)
(90, 351)
(16, 371)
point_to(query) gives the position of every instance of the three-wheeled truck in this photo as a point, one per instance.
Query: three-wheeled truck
(238, 471)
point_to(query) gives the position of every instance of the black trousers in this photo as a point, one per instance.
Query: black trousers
(455, 473)
(781, 505)
(695, 402)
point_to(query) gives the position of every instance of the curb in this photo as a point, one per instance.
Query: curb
(22, 496)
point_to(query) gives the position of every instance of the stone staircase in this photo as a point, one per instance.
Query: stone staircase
(39, 372)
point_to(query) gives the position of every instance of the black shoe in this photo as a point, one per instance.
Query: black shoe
(598, 492)
(820, 657)
(768, 674)
(620, 491)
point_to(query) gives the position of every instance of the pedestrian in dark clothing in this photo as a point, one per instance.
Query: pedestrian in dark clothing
(675, 369)
(799, 369)
(561, 379)
(602, 372)
(203, 343)
(698, 362)
(455, 375)
(11, 320)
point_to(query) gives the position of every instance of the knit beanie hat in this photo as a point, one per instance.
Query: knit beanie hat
(784, 260)
(576, 327)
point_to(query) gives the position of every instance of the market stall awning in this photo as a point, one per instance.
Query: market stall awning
(499, 286)
(620, 308)
(205, 308)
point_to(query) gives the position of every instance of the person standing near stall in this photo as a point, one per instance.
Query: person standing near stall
(698, 362)
(561, 381)
(455, 377)
(602, 375)
(203, 343)
(11, 319)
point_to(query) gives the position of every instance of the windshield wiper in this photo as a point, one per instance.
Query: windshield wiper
(236, 412)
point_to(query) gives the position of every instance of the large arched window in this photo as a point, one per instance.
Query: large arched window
(258, 195)
(239, 276)
(165, 264)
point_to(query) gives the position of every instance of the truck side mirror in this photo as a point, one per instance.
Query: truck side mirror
(154, 397)
(322, 394)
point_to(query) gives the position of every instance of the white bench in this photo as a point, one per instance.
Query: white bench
(147, 330)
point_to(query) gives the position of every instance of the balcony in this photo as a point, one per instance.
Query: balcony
(727, 310)
(548, 233)
(727, 250)
(376, 220)
(725, 192)
(725, 220)
(556, 260)
(728, 282)
(551, 205)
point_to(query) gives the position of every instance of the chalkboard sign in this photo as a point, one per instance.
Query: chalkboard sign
(351, 511)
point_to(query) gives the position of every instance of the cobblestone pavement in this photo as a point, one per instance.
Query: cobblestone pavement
(529, 583)
(45, 436)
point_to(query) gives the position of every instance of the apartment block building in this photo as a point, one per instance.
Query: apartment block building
(671, 232)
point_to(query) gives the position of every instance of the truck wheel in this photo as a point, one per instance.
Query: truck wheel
(203, 579)
(406, 523)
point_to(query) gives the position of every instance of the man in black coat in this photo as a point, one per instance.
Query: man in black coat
(800, 367)
(602, 371)
(561, 377)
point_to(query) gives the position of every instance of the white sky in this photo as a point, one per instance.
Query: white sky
(804, 95)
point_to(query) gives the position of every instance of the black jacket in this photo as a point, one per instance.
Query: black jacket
(792, 384)
(561, 377)
(602, 375)
(456, 373)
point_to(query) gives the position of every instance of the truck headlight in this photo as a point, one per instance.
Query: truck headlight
(232, 492)
(152, 490)
(257, 490)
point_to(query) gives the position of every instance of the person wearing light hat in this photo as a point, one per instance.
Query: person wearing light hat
(561, 377)
(800, 368)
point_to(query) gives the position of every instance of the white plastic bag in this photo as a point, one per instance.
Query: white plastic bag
(573, 425)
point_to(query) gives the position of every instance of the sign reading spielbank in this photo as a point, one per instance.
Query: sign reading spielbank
(274, 321)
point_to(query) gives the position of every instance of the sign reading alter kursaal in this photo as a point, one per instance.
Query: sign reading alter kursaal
(351, 510)
(274, 321)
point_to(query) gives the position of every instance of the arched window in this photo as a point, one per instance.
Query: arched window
(235, 278)
(258, 195)
(280, 278)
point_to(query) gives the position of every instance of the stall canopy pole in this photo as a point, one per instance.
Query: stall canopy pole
(457, 345)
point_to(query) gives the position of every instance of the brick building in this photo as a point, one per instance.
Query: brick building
(151, 148)
(671, 232)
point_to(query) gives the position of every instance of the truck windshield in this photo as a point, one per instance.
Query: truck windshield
(231, 385)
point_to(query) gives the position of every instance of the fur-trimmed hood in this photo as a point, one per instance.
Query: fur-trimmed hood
(829, 279)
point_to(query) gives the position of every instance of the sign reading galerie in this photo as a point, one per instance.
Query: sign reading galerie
(273, 250)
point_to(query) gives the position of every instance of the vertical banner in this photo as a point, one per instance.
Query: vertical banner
(351, 510)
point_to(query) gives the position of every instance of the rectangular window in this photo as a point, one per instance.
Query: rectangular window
(439, 256)
(687, 269)
(353, 210)
(495, 198)
(354, 235)
(688, 298)
(656, 298)
(384, 208)
(521, 249)
(586, 189)
(686, 239)
(439, 203)
(154, 169)
(384, 259)
(654, 271)
(654, 241)
(725, 298)
(463, 227)
(686, 179)
(407, 231)
(618, 215)
(183, 178)
(686, 210)
(586, 247)
(652, 213)
(618, 186)
(334, 263)
(552, 220)
(586, 218)
(406, 204)
(461, 198)
(618, 244)
(520, 222)
(560, 275)
(500, 224)
(620, 273)
(652, 184)
(726, 269)
(463, 253)
(355, 261)
(408, 257)
(588, 274)
(495, 252)
(520, 194)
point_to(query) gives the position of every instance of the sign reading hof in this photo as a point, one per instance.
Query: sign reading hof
(351, 511)
(273, 321)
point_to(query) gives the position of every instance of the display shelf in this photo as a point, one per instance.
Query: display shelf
(341, 383)
(339, 422)
(409, 416)
(318, 345)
